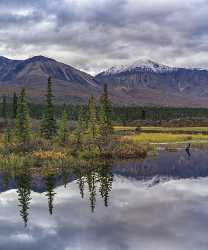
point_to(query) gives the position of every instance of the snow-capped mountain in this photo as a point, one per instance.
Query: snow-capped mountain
(140, 65)
(152, 83)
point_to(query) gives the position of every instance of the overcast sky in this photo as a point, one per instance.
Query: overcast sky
(96, 34)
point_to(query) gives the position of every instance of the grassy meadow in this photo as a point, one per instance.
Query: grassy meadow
(163, 134)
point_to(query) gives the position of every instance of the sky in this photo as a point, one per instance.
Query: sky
(93, 35)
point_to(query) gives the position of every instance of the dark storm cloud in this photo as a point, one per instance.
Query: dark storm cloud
(93, 34)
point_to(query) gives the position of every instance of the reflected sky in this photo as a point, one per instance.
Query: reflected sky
(171, 215)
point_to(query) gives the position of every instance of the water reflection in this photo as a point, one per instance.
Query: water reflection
(188, 150)
(24, 192)
(50, 183)
(109, 206)
(92, 179)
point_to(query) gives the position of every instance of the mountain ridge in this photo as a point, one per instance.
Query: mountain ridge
(184, 83)
(143, 82)
(146, 64)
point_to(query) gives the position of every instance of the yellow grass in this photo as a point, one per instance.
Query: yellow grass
(49, 155)
(124, 128)
(163, 137)
(174, 129)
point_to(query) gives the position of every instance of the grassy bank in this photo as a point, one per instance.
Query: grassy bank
(163, 137)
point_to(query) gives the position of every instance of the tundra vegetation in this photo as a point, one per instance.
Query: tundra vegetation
(58, 141)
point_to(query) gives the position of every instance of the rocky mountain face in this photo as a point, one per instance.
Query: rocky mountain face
(141, 83)
(70, 84)
(159, 84)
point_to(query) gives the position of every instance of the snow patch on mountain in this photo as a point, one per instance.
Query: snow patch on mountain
(142, 64)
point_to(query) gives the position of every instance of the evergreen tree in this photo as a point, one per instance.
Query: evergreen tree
(14, 105)
(63, 130)
(80, 128)
(106, 127)
(4, 108)
(92, 132)
(23, 120)
(48, 126)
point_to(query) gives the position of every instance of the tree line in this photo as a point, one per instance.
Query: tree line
(119, 114)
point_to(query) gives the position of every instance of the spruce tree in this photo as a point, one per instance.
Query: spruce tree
(63, 130)
(93, 125)
(48, 126)
(80, 128)
(14, 106)
(106, 127)
(23, 120)
(92, 131)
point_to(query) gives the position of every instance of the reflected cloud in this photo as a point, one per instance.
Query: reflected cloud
(127, 214)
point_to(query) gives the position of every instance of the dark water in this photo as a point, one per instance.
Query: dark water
(158, 204)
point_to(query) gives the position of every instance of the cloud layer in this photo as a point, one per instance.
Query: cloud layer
(96, 34)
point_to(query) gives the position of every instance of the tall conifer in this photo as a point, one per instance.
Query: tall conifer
(48, 126)
(106, 127)
(23, 120)
(63, 130)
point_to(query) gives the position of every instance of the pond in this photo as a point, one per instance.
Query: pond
(158, 203)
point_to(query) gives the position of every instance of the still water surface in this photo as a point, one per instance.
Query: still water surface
(160, 203)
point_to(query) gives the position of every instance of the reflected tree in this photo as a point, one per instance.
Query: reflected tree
(24, 191)
(80, 182)
(79, 175)
(91, 180)
(106, 180)
(50, 185)
(65, 175)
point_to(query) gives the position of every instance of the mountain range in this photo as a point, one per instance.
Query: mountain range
(143, 82)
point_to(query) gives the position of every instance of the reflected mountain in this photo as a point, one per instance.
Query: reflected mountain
(170, 165)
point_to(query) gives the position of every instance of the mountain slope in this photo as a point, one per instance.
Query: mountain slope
(141, 83)
(70, 84)
(178, 86)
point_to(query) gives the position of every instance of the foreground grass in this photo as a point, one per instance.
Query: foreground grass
(163, 137)
(124, 128)
(174, 129)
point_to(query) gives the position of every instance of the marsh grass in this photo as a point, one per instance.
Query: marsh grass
(163, 137)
